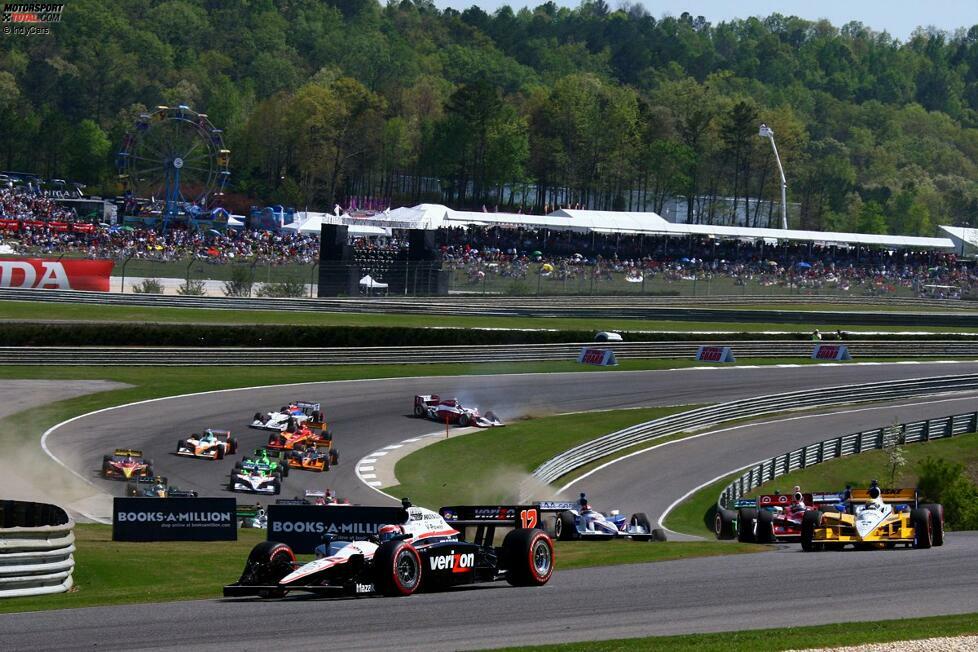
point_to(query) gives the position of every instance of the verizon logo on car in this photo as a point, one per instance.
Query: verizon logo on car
(36, 273)
(458, 563)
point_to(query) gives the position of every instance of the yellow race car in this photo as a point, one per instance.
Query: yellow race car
(875, 518)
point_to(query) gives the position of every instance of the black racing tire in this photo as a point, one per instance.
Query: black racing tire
(284, 468)
(316, 416)
(258, 417)
(267, 564)
(811, 520)
(419, 411)
(180, 445)
(764, 527)
(334, 456)
(641, 520)
(149, 471)
(565, 527)
(745, 524)
(106, 458)
(232, 446)
(219, 453)
(277, 488)
(658, 534)
(923, 528)
(464, 420)
(529, 557)
(723, 523)
(397, 569)
(937, 522)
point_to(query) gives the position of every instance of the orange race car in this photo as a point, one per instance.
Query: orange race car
(317, 457)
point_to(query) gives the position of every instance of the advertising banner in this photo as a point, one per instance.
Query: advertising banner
(601, 357)
(831, 352)
(65, 274)
(174, 519)
(715, 354)
(303, 526)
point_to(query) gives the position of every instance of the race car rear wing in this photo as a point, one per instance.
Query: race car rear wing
(303, 405)
(886, 495)
(127, 452)
(486, 519)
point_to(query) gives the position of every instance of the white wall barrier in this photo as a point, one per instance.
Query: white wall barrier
(37, 543)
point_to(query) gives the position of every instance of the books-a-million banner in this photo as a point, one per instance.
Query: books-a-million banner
(65, 274)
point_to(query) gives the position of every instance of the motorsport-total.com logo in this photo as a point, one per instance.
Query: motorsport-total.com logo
(30, 18)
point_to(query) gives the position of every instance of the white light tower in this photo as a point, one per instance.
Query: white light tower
(767, 132)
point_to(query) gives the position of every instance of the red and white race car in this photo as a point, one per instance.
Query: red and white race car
(778, 517)
(450, 410)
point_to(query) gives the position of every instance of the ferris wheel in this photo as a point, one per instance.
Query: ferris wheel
(176, 156)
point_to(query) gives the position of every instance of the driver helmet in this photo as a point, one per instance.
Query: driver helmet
(207, 436)
(388, 532)
(582, 502)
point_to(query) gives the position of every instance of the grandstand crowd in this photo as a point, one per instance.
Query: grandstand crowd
(478, 254)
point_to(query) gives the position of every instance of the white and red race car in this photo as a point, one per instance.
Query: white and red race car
(450, 410)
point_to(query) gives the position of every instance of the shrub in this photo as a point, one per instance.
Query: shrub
(191, 288)
(240, 283)
(292, 287)
(943, 481)
(148, 286)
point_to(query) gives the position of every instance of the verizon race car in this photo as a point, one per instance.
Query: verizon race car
(875, 518)
(450, 410)
(157, 487)
(126, 463)
(578, 521)
(294, 413)
(771, 518)
(422, 553)
(210, 444)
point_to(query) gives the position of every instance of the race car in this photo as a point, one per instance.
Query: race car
(126, 463)
(313, 497)
(875, 518)
(578, 521)
(312, 458)
(252, 516)
(450, 410)
(257, 480)
(422, 552)
(156, 487)
(299, 438)
(210, 444)
(771, 518)
(288, 416)
(272, 461)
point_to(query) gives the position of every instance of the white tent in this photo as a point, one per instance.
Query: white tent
(368, 281)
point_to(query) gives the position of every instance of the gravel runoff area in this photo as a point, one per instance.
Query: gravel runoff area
(939, 644)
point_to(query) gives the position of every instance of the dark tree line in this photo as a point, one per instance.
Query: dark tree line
(609, 108)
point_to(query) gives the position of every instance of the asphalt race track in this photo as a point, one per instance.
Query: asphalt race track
(700, 595)
(367, 415)
(697, 595)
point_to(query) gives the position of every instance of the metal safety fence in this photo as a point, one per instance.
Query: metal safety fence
(700, 418)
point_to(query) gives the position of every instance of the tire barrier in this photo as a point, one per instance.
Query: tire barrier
(227, 356)
(700, 418)
(942, 313)
(37, 543)
(851, 444)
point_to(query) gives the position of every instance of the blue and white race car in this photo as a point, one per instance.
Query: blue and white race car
(578, 521)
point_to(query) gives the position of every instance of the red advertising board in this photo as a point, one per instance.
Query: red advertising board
(715, 354)
(38, 273)
(831, 352)
(601, 357)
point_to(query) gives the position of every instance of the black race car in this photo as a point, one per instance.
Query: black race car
(422, 552)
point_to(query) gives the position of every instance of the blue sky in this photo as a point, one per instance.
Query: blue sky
(898, 17)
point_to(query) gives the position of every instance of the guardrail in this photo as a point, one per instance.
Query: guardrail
(852, 444)
(594, 307)
(189, 356)
(700, 418)
(37, 543)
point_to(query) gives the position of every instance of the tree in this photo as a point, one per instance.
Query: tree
(871, 218)
(87, 151)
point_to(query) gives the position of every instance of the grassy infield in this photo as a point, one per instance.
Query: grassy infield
(105, 568)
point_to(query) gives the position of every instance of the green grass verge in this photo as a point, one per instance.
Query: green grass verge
(109, 572)
(785, 638)
(42, 311)
(695, 514)
(490, 466)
